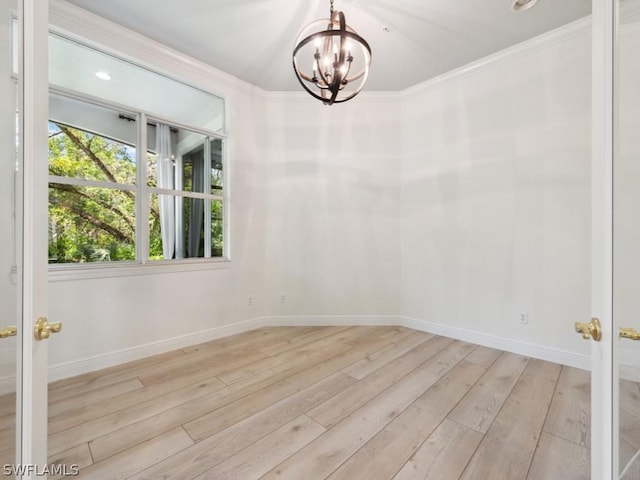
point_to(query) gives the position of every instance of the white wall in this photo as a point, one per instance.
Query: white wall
(333, 228)
(496, 196)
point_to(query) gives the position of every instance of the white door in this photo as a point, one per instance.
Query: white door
(24, 29)
(615, 446)
(9, 292)
(626, 239)
(603, 464)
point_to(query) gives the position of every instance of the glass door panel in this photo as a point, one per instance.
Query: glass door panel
(626, 239)
(9, 234)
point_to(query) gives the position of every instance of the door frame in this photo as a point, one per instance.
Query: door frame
(31, 418)
(604, 455)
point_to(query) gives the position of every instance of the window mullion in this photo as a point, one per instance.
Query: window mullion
(206, 165)
(142, 193)
(81, 182)
(179, 207)
(226, 227)
(182, 193)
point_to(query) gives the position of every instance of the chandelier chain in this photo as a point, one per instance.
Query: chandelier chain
(331, 10)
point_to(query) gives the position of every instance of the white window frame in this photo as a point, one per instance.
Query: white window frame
(207, 197)
(143, 265)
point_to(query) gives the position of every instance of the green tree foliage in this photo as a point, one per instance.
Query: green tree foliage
(90, 224)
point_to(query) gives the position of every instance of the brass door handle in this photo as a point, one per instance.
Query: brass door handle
(8, 332)
(44, 329)
(590, 330)
(630, 333)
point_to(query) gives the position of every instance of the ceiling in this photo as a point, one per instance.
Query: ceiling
(411, 40)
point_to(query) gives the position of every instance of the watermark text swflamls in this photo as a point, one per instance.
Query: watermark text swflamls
(60, 470)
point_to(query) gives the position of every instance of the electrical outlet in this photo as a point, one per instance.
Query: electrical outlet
(524, 319)
(250, 301)
(283, 299)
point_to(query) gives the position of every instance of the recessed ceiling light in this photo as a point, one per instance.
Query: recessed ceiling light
(103, 75)
(522, 5)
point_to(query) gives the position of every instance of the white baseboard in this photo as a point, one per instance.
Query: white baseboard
(509, 345)
(98, 362)
(333, 320)
(630, 373)
(85, 365)
(7, 385)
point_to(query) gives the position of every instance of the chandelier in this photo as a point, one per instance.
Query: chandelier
(339, 59)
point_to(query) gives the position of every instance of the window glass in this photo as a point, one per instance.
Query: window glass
(190, 164)
(90, 224)
(184, 237)
(185, 151)
(75, 67)
(90, 142)
(217, 224)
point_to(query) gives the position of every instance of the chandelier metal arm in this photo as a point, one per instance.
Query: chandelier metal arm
(354, 36)
(337, 81)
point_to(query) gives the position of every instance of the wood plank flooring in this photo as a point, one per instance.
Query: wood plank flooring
(315, 403)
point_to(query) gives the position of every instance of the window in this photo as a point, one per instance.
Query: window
(130, 180)
(92, 198)
(186, 185)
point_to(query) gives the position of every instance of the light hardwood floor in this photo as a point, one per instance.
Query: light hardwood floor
(309, 403)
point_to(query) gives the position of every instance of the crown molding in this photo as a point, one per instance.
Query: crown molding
(547, 40)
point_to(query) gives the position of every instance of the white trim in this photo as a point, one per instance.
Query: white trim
(227, 193)
(83, 182)
(98, 362)
(604, 459)
(7, 385)
(333, 320)
(206, 183)
(84, 271)
(142, 116)
(542, 42)
(32, 419)
(562, 357)
(185, 193)
(142, 197)
(541, 352)
(89, 364)
(629, 372)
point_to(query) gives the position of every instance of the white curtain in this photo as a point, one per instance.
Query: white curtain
(165, 166)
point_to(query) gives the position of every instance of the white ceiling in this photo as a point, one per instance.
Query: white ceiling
(254, 39)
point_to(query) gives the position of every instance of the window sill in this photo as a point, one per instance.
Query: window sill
(61, 273)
